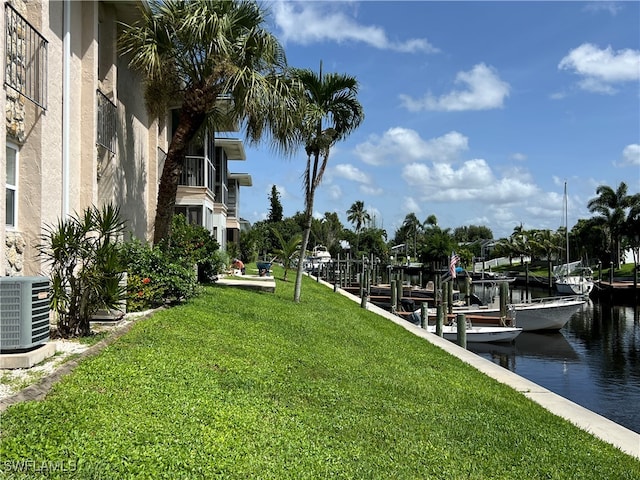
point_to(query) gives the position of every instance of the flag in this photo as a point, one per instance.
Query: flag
(452, 264)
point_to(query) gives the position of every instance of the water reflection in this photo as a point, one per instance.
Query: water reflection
(594, 360)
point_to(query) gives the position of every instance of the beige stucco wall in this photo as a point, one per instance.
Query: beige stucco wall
(127, 178)
(3, 166)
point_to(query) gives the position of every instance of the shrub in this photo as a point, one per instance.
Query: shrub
(153, 278)
(82, 252)
(193, 245)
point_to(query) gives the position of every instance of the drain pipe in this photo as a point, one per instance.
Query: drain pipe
(66, 104)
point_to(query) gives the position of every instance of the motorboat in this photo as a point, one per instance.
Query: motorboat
(551, 313)
(319, 257)
(479, 334)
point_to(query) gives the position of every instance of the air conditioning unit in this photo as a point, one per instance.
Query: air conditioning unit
(24, 313)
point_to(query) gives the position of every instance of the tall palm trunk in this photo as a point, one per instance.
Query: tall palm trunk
(312, 180)
(189, 122)
(308, 214)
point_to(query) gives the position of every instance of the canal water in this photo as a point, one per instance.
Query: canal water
(594, 360)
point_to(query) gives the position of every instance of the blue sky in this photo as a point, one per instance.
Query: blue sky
(475, 112)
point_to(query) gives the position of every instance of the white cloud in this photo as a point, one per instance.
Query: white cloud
(412, 205)
(307, 23)
(610, 7)
(334, 192)
(600, 69)
(401, 145)
(350, 172)
(484, 90)
(473, 181)
(630, 156)
(519, 157)
(369, 190)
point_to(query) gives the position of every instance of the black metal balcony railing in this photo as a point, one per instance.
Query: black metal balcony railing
(25, 58)
(106, 135)
(197, 172)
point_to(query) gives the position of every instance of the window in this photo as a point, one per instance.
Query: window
(106, 134)
(192, 213)
(12, 186)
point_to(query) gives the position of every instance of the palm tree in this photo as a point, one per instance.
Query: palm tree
(199, 53)
(412, 225)
(287, 250)
(611, 206)
(546, 243)
(330, 111)
(359, 217)
(632, 227)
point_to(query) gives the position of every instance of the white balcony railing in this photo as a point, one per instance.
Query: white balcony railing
(197, 172)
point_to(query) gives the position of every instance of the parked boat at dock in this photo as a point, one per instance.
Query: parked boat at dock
(572, 278)
(479, 334)
(550, 313)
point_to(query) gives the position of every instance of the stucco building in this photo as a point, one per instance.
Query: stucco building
(78, 132)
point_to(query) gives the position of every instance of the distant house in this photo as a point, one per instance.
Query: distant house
(78, 132)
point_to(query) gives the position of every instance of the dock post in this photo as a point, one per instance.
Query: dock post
(526, 281)
(439, 319)
(461, 328)
(600, 272)
(503, 299)
(399, 292)
(467, 287)
(611, 276)
(449, 286)
(394, 308)
(363, 287)
(423, 315)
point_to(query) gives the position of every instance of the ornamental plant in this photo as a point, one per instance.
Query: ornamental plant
(154, 278)
(85, 271)
(194, 245)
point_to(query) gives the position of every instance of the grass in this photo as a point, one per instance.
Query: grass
(240, 384)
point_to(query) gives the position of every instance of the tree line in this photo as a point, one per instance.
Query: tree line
(602, 238)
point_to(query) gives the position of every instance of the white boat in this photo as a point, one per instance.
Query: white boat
(477, 334)
(319, 257)
(572, 278)
(550, 313)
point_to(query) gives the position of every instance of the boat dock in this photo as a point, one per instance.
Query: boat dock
(623, 290)
(622, 438)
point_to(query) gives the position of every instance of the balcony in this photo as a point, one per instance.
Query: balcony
(26, 58)
(197, 172)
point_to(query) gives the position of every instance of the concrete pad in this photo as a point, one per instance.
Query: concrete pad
(262, 284)
(624, 439)
(27, 359)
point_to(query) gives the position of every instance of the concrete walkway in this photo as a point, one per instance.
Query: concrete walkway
(597, 425)
(250, 282)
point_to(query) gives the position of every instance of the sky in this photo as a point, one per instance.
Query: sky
(475, 112)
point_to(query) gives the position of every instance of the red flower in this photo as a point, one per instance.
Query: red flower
(146, 280)
(140, 293)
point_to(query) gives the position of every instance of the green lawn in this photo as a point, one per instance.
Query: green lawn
(239, 384)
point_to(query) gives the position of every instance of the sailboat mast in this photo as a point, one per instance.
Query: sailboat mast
(566, 224)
